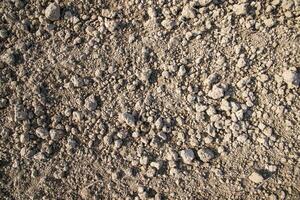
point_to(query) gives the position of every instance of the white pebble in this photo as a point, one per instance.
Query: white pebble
(216, 92)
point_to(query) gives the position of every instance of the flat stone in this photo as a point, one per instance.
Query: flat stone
(256, 177)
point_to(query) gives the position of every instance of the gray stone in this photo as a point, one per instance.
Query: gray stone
(3, 103)
(71, 144)
(212, 79)
(56, 134)
(42, 133)
(52, 12)
(182, 71)
(159, 123)
(3, 33)
(128, 118)
(20, 113)
(187, 156)
(205, 154)
(91, 103)
(10, 57)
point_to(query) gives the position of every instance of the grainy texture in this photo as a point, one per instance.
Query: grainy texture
(156, 99)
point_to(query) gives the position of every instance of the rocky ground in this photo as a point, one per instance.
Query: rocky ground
(149, 99)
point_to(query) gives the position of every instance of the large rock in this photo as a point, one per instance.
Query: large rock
(52, 12)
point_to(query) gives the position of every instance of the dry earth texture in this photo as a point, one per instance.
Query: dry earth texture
(149, 99)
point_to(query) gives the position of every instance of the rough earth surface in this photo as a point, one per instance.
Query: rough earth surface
(156, 99)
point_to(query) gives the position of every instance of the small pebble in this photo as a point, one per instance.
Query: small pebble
(240, 9)
(217, 92)
(187, 155)
(42, 133)
(205, 154)
(91, 103)
(291, 77)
